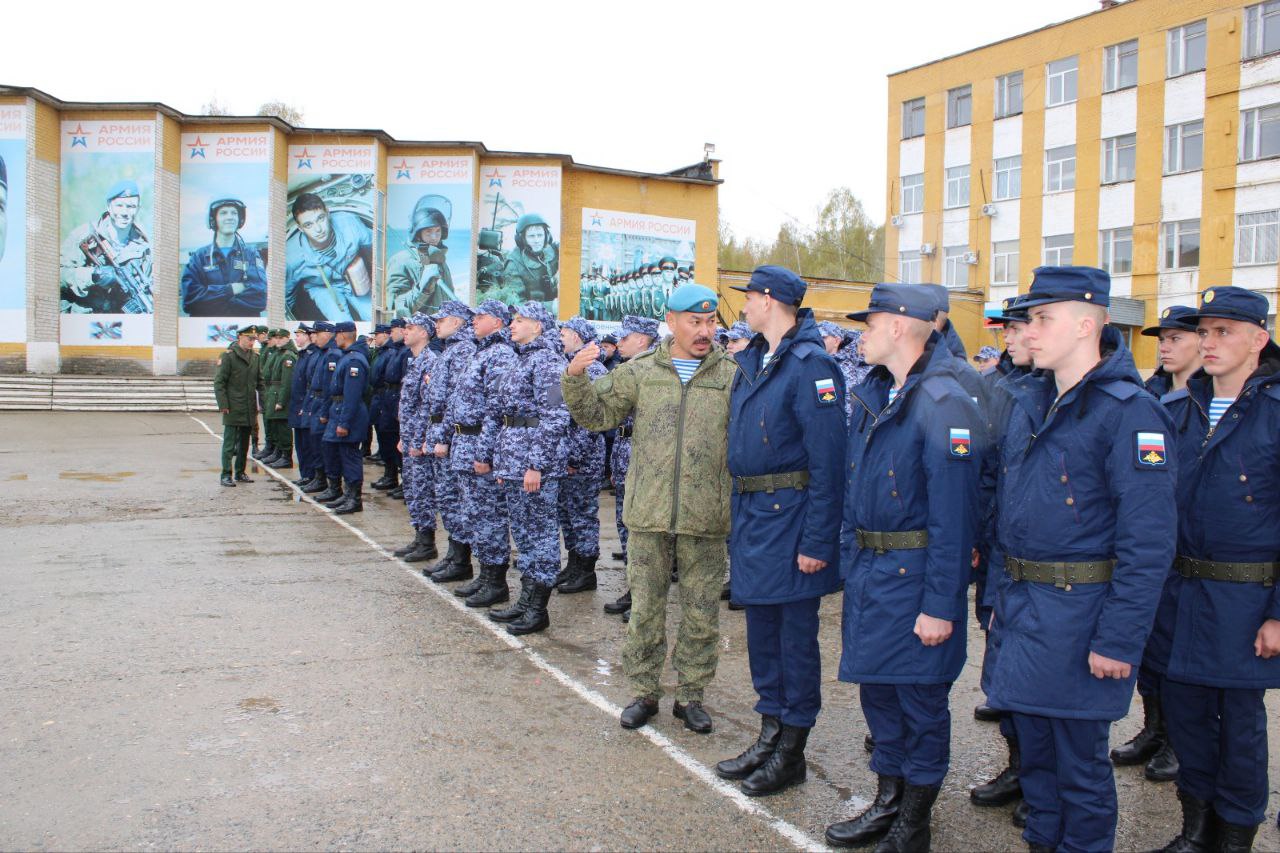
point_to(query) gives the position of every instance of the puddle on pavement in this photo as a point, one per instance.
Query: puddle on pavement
(241, 552)
(261, 704)
(95, 476)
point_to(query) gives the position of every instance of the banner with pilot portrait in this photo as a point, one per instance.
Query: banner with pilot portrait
(631, 262)
(429, 245)
(13, 223)
(329, 248)
(518, 245)
(108, 195)
(223, 231)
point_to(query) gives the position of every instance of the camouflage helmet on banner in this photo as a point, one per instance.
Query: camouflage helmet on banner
(431, 211)
(525, 223)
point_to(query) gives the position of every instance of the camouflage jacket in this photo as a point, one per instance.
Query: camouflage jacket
(475, 396)
(413, 398)
(586, 448)
(679, 480)
(530, 391)
(459, 348)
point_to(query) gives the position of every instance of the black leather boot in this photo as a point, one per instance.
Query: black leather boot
(784, 768)
(476, 583)
(534, 618)
(585, 579)
(1145, 743)
(512, 613)
(424, 550)
(460, 570)
(383, 483)
(495, 589)
(1233, 838)
(910, 830)
(755, 755)
(331, 491)
(1163, 766)
(569, 572)
(413, 543)
(1019, 815)
(869, 743)
(1005, 788)
(269, 458)
(450, 558)
(1199, 825)
(227, 481)
(352, 501)
(282, 460)
(621, 605)
(875, 821)
(266, 451)
(397, 494)
(317, 485)
(301, 482)
(337, 500)
(984, 713)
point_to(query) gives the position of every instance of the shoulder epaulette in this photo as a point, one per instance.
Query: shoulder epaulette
(1119, 388)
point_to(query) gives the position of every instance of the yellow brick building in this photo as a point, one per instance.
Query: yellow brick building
(1143, 138)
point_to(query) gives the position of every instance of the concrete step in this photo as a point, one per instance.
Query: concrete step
(107, 393)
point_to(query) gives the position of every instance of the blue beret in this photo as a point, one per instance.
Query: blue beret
(1069, 284)
(1232, 303)
(495, 308)
(424, 320)
(584, 330)
(986, 353)
(632, 324)
(453, 308)
(381, 329)
(693, 297)
(532, 310)
(829, 329)
(398, 323)
(1174, 317)
(740, 331)
(323, 326)
(344, 326)
(779, 282)
(123, 189)
(905, 300)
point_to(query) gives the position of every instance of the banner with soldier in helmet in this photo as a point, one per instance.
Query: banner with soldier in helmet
(223, 233)
(329, 254)
(108, 195)
(518, 246)
(429, 246)
(13, 223)
(631, 262)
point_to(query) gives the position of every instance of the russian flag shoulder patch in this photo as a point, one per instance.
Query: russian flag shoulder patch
(960, 443)
(1151, 450)
(825, 389)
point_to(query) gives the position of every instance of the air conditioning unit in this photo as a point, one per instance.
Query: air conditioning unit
(927, 249)
(896, 220)
(988, 210)
(971, 258)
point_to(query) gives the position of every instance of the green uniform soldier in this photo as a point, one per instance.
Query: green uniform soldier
(238, 387)
(278, 380)
(262, 335)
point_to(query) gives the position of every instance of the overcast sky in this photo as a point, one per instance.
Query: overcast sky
(792, 93)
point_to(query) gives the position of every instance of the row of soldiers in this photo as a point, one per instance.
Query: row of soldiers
(642, 292)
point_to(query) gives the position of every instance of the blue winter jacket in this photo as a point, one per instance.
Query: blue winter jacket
(349, 380)
(323, 366)
(298, 396)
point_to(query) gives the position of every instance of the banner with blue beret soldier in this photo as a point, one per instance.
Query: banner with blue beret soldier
(224, 224)
(631, 262)
(107, 199)
(429, 233)
(518, 245)
(331, 220)
(13, 223)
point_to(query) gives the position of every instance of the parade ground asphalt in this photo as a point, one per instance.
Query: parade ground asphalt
(188, 666)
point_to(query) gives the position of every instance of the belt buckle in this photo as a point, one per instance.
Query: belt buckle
(1059, 575)
(457, 429)
(773, 485)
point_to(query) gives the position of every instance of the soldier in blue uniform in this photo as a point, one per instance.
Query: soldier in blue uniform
(453, 325)
(786, 455)
(1220, 609)
(911, 511)
(579, 504)
(1084, 506)
(942, 321)
(298, 403)
(225, 278)
(386, 375)
(419, 470)
(1179, 352)
(348, 415)
(530, 459)
(472, 418)
(327, 484)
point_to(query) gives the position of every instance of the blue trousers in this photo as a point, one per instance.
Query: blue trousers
(786, 664)
(352, 461)
(1220, 737)
(911, 724)
(387, 440)
(332, 458)
(1067, 783)
(306, 462)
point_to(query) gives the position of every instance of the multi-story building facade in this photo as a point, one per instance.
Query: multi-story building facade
(1143, 138)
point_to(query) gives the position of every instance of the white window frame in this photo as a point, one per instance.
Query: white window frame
(1115, 251)
(1058, 175)
(1258, 238)
(1176, 139)
(1179, 57)
(1260, 20)
(913, 193)
(1120, 66)
(909, 111)
(1004, 262)
(957, 187)
(960, 106)
(1064, 80)
(910, 270)
(1063, 250)
(1009, 90)
(1251, 132)
(1113, 149)
(1172, 237)
(1006, 181)
(955, 272)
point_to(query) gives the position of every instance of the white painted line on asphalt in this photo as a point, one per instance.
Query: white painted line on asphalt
(800, 839)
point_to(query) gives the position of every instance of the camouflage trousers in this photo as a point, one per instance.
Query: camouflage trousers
(484, 513)
(420, 491)
(702, 562)
(534, 529)
(579, 513)
(448, 486)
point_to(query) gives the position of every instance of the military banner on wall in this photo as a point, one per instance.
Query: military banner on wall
(631, 262)
(329, 260)
(13, 223)
(223, 231)
(518, 246)
(429, 246)
(108, 195)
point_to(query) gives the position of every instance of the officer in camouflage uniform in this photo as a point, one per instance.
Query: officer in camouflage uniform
(419, 470)
(579, 507)
(529, 461)
(279, 386)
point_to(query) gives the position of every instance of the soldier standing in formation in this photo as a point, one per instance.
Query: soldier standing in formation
(298, 401)
(419, 468)
(386, 375)
(237, 386)
(278, 381)
(328, 482)
(347, 417)
(579, 504)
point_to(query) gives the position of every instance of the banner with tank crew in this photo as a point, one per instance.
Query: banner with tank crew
(518, 245)
(107, 204)
(429, 235)
(13, 223)
(631, 262)
(224, 225)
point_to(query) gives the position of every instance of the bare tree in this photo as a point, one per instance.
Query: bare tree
(214, 107)
(283, 111)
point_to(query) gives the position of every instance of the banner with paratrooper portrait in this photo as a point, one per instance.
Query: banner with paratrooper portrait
(13, 223)
(518, 245)
(429, 234)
